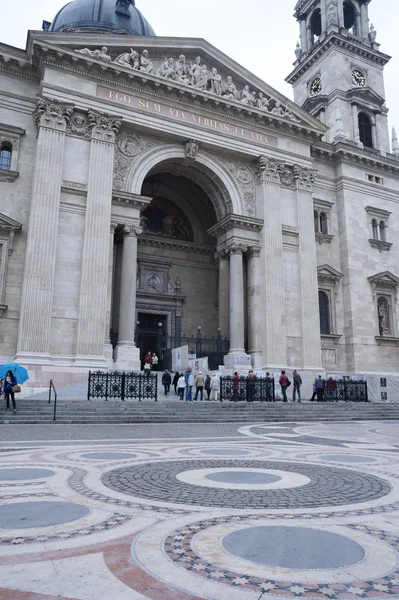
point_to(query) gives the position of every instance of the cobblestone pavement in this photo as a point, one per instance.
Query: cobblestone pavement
(182, 512)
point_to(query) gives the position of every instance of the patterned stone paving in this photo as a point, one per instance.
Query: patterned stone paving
(153, 520)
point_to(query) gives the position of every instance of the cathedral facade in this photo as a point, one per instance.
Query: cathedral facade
(153, 184)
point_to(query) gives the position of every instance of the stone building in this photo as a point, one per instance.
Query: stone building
(150, 182)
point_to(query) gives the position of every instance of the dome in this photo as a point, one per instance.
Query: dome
(102, 15)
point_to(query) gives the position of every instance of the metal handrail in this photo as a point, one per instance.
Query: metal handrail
(52, 387)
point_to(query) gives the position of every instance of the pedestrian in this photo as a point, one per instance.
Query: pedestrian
(147, 368)
(208, 386)
(166, 381)
(251, 386)
(320, 387)
(331, 388)
(189, 381)
(269, 386)
(236, 386)
(199, 384)
(284, 383)
(313, 398)
(148, 358)
(175, 381)
(154, 362)
(181, 386)
(9, 383)
(297, 386)
(215, 387)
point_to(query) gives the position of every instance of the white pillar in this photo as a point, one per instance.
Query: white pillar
(273, 329)
(355, 123)
(127, 307)
(323, 10)
(255, 313)
(94, 277)
(309, 301)
(364, 21)
(224, 293)
(41, 249)
(304, 39)
(108, 350)
(341, 20)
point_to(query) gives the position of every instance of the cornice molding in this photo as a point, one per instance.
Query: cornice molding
(159, 242)
(380, 245)
(352, 153)
(130, 200)
(231, 221)
(8, 176)
(18, 68)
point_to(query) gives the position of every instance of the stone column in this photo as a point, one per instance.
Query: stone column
(128, 355)
(41, 250)
(224, 292)
(304, 39)
(237, 355)
(341, 20)
(374, 131)
(364, 19)
(355, 123)
(273, 330)
(255, 313)
(108, 350)
(323, 10)
(95, 275)
(308, 300)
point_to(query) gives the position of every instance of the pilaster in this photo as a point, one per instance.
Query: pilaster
(51, 119)
(272, 326)
(95, 275)
(311, 344)
(255, 313)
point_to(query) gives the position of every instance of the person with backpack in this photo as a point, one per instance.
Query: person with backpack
(166, 381)
(284, 383)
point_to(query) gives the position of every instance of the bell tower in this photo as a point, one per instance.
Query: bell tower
(338, 74)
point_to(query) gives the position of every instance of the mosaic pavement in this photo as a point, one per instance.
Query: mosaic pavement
(271, 512)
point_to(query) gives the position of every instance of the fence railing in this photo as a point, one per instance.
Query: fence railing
(51, 388)
(122, 386)
(346, 391)
(247, 389)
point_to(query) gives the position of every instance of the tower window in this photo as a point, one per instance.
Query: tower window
(365, 132)
(315, 25)
(324, 312)
(374, 225)
(5, 157)
(350, 18)
(383, 232)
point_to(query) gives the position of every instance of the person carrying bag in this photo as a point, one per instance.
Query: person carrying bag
(10, 388)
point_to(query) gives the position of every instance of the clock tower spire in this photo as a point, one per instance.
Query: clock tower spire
(339, 70)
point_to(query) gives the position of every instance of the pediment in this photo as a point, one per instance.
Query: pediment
(245, 92)
(366, 95)
(8, 224)
(328, 272)
(386, 279)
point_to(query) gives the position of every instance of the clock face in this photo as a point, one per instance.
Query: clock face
(358, 78)
(315, 87)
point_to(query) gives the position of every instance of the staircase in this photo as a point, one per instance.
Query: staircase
(38, 411)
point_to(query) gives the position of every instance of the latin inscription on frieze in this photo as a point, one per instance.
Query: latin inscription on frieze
(185, 116)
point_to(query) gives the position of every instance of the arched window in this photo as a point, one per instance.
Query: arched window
(350, 17)
(323, 223)
(365, 130)
(316, 221)
(374, 224)
(5, 156)
(324, 312)
(383, 231)
(315, 25)
(384, 317)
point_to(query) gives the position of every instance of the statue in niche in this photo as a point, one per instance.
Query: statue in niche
(262, 102)
(181, 70)
(146, 65)
(192, 147)
(167, 69)
(101, 54)
(246, 96)
(383, 317)
(128, 59)
(278, 109)
(164, 219)
(216, 82)
(229, 89)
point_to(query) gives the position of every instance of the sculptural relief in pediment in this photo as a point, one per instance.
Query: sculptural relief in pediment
(194, 73)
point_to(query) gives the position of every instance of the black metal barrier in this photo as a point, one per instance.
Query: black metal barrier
(247, 389)
(122, 386)
(345, 391)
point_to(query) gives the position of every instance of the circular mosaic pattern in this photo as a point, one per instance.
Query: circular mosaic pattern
(293, 547)
(242, 477)
(25, 515)
(22, 474)
(328, 486)
(108, 455)
(225, 452)
(347, 458)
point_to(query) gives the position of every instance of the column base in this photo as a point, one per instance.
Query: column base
(256, 359)
(109, 354)
(127, 358)
(237, 360)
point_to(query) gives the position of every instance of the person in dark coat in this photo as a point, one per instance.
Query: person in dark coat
(320, 387)
(176, 381)
(208, 386)
(166, 381)
(9, 383)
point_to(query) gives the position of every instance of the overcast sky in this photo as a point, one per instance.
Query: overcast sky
(259, 34)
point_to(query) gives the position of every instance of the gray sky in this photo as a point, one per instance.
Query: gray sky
(259, 34)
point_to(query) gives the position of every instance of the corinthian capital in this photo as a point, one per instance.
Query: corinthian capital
(52, 113)
(103, 127)
(236, 248)
(268, 169)
(132, 230)
(304, 178)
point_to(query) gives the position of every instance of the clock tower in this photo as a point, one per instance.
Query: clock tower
(338, 74)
